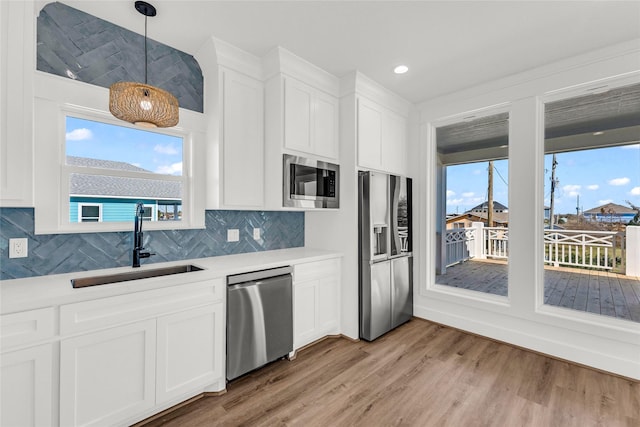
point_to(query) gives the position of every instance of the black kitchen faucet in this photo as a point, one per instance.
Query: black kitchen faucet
(137, 237)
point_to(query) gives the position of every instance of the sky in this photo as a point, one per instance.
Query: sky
(596, 176)
(152, 151)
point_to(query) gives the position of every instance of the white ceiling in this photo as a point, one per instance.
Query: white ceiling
(448, 45)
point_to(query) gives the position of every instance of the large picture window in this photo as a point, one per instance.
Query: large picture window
(473, 229)
(592, 200)
(115, 167)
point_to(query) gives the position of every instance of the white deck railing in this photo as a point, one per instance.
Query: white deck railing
(587, 249)
(601, 250)
(459, 244)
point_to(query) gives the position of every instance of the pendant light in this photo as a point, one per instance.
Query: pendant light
(143, 104)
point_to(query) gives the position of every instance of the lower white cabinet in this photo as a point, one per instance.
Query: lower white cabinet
(189, 353)
(107, 376)
(316, 301)
(26, 377)
(130, 356)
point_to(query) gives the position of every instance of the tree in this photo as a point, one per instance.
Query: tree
(636, 219)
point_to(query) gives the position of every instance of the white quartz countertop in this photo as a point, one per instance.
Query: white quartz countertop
(46, 291)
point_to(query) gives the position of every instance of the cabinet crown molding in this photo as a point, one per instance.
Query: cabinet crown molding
(361, 85)
(232, 57)
(281, 61)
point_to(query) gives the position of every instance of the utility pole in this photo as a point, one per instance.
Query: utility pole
(554, 182)
(490, 196)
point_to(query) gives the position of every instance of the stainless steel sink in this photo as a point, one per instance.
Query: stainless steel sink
(132, 275)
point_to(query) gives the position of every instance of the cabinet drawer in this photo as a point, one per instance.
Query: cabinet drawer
(316, 269)
(107, 312)
(26, 327)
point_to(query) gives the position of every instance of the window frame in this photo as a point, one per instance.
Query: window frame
(59, 98)
(83, 204)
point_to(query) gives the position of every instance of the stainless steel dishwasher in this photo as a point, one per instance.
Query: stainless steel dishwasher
(259, 319)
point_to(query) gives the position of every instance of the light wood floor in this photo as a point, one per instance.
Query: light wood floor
(420, 374)
(598, 292)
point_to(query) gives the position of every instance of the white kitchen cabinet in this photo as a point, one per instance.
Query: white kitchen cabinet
(382, 138)
(316, 301)
(124, 357)
(242, 137)
(107, 376)
(26, 371)
(310, 120)
(189, 354)
(27, 392)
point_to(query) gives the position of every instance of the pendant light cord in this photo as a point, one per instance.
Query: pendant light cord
(145, 49)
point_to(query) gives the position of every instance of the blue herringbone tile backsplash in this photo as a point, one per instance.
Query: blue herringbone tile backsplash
(66, 253)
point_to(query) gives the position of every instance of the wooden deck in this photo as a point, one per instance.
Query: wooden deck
(599, 292)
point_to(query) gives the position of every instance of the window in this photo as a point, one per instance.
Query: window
(473, 230)
(592, 194)
(88, 212)
(85, 155)
(119, 166)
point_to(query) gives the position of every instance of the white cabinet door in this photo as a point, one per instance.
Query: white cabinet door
(382, 138)
(190, 350)
(325, 125)
(107, 376)
(369, 134)
(316, 301)
(26, 387)
(298, 100)
(305, 317)
(310, 120)
(242, 140)
(394, 143)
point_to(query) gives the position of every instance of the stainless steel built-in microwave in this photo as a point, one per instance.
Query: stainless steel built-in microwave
(309, 183)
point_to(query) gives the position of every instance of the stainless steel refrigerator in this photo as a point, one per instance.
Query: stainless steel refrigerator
(386, 262)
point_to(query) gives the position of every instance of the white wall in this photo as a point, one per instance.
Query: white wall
(598, 341)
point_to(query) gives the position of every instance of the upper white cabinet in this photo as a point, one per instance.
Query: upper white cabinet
(310, 120)
(242, 137)
(382, 138)
(234, 110)
(301, 116)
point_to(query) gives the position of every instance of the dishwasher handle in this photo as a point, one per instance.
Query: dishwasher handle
(258, 275)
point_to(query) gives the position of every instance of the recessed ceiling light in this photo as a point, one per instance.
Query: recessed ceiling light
(598, 133)
(401, 69)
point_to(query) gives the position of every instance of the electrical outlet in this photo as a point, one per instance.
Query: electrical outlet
(233, 235)
(18, 248)
(256, 234)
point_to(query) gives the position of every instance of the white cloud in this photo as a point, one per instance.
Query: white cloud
(631, 147)
(468, 194)
(173, 169)
(593, 187)
(79, 134)
(571, 190)
(619, 181)
(605, 201)
(451, 193)
(454, 201)
(635, 191)
(478, 172)
(165, 149)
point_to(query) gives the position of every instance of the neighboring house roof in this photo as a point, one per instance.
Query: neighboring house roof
(497, 206)
(116, 186)
(610, 208)
(498, 217)
(104, 164)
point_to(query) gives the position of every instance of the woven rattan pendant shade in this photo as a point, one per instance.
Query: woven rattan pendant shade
(140, 103)
(143, 105)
